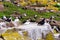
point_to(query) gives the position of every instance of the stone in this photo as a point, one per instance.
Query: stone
(0, 0)
(7, 0)
(1, 7)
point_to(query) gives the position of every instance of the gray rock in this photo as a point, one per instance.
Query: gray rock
(1, 7)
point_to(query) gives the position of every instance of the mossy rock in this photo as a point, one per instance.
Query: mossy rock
(49, 36)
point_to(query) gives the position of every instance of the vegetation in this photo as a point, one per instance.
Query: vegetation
(49, 36)
(10, 8)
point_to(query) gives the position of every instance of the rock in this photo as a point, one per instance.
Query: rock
(16, 14)
(1, 39)
(7, 0)
(10, 24)
(1, 7)
(0, 0)
(57, 23)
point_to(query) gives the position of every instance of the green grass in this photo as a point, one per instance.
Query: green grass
(10, 8)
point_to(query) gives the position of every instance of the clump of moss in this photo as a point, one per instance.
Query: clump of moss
(49, 36)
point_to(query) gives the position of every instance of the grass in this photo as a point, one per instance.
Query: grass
(10, 8)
